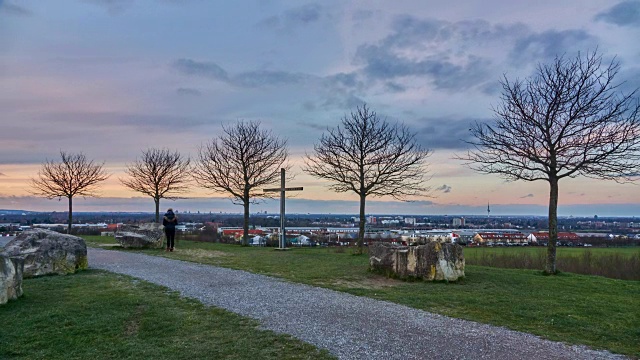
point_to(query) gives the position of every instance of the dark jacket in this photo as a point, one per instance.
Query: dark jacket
(169, 220)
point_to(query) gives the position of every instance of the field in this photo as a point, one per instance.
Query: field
(577, 309)
(616, 263)
(473, 252)
(98, 315)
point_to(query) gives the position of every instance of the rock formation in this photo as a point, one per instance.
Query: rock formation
(433, 261)
(10, 278)
(48, 252)
(140, 236)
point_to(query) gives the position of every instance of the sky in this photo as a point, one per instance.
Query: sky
(111, 78)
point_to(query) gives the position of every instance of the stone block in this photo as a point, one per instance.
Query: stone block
(10, 278)
(432, 261)
(48, 252)
(140, 236)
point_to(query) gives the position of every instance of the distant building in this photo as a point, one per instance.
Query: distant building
(372, 220)
(544, 236)
(410, 221)
(390, 222)
(511, 237)
(458, 222)
(240, 232)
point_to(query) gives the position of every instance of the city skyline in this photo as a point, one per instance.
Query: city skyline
(112, 78)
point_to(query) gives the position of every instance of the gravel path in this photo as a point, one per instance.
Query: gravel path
(350, 327)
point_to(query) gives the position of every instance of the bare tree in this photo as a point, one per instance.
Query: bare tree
(74, 175)
(569, 119)
(370, 157)
(159, 173)
(240, 162)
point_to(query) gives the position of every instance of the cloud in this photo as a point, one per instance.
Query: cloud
(630, 78)
(526, 196)
(442, 71)
(313, 126)
(410, 32)
(394, 87)
(459, 56)
(139, 121)
(333, 91)
(118, 7)
(445, 133)
(626, 13)
(545, 46)
(13, 9)
(361, 15)
(188, 92)
(344, 80)
(441, 53)
(114, 7)
(294, 18)
(444, 188)
(204, 69)
(247, 79)
(252, 79)
(82, 131)
(1, 174)
(342, 100)
(216, 205)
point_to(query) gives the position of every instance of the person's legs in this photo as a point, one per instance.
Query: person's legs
(167, 234)
(171, 239)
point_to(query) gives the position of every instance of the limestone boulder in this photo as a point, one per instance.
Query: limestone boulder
(140, 236)
(10, 278)
(48, 252)
(432, 261)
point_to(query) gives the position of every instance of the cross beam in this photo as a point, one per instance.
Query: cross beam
(282, 189)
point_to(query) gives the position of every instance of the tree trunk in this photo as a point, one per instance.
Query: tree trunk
(245, 226)
(550, 267)
(70, 215)
(157, 201)
(362, 223)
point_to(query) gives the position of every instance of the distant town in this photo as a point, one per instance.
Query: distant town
(341, 230)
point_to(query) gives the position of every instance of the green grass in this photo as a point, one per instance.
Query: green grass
(615, 263)
(470, 253)
(577, 309)
(98, 315)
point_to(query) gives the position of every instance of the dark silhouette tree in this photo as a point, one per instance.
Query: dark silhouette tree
(240, 162)
(370, 157)
(73, 175)
(159, 173)
(569, 119)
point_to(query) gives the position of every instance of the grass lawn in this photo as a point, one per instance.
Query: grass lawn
(591, 310)
(99, 315)
(615, 263)
(471, 253)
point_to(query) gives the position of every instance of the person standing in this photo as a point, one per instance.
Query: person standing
(170, 220)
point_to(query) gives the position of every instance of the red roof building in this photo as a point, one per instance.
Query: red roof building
(240, 232)
(506, 237)
(563, 236)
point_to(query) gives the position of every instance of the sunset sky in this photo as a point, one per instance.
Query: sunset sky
(113, 77)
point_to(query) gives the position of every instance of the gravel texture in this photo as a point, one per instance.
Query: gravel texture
(350, 327)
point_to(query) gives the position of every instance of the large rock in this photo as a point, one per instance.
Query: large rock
(433, 261)
(149, 235)
(48, 252)
(10, 278)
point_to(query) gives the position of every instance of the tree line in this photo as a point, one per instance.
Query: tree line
(568, 119)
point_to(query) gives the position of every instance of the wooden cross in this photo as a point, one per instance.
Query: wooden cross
(282, 189)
